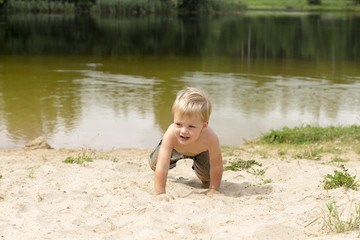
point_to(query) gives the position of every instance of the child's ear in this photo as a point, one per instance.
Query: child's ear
(205, 124)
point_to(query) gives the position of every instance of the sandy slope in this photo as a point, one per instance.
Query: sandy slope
(41, 197)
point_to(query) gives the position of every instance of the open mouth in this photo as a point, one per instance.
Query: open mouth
(184, 138)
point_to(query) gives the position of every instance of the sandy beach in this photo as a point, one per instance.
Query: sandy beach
(42, 197)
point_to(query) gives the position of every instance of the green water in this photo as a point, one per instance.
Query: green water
(109, 82)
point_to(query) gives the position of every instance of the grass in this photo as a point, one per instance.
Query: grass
(247, 165)
(241, 164)
(309, 142)
(265, 181)
(338, 220)
(314, 143)
(335, 221)
(348, 5)
(257, 172)
(339, 160)
(310, 134)
(80, 159)
(304, 142)
(86, 157)
(326, 145)
(340, 179)
(311, 153)
(108, 158)
(31, 174)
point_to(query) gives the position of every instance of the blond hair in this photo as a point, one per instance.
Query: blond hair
(192, 101)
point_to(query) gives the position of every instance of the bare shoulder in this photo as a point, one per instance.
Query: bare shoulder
(211, 140)
(169, 136)
(211, 136)
(213, 146)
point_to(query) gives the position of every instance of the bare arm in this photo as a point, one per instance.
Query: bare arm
(162, 166)
(216, 165)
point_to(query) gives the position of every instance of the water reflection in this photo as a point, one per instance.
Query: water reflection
(297, 36)
(110, 82)
(87, 103)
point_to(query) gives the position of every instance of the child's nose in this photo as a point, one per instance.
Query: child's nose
(184, 130)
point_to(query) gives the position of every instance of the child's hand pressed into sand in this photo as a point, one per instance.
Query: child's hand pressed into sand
(164, 197)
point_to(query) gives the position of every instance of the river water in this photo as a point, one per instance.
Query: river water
(105, 82)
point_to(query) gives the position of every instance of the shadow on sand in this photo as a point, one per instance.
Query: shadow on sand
(230, 189)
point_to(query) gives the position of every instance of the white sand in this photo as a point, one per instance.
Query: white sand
(41, 197)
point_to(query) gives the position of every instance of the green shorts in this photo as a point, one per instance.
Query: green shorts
(201, 162)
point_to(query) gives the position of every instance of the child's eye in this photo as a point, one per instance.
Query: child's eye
(191, 126)
(178, 124)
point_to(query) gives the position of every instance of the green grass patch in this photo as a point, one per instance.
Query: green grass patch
(307, 142)
(241, 164)
(257, 172)
(108, 158)
(310, 134)
(311, 153)
(349, 5)
(339, 160)
(247, 165)
(265, 181)
(340, 179)
(80, 159)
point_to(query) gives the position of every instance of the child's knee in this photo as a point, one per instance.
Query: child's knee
(152, 164)
(206, 184)
(205, 179)
(153, 158)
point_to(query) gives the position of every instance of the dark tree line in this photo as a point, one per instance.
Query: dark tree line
(79, 4)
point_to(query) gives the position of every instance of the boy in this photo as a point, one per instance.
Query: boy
(189, 137)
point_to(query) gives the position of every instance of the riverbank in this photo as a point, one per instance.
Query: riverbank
(88, 194)
(302, 5)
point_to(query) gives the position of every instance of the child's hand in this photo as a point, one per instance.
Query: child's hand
(164, 197)
(211, 191)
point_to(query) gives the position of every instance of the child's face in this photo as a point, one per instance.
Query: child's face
(188, 128)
